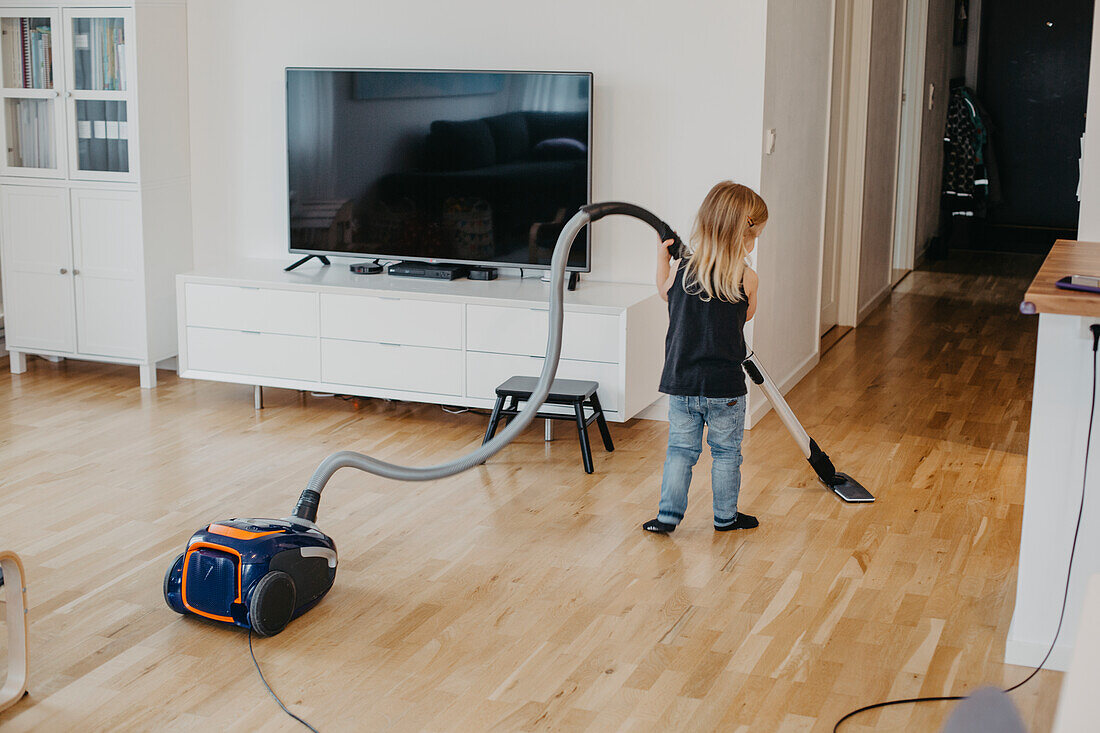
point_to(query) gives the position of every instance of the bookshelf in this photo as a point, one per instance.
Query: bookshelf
(94, 226)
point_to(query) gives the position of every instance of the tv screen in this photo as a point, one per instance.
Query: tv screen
(444, 166)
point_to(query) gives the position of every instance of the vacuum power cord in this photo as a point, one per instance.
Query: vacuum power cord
(264, 680)
(1095, 329)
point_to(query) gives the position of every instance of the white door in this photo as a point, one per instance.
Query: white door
(37, 268)
(31, 121)
(107, 263)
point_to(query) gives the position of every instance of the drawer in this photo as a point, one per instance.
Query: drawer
(392, 366)
(251, 309)
(392, 320)
(504, 330)
(485, 372)
(253, 354)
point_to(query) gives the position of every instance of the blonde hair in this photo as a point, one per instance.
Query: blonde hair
(729, 218)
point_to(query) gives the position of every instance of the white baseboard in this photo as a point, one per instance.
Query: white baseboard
(1030, 654)
(875, 302)
(758, 403)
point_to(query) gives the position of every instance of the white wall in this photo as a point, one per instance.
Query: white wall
(677, 102)
(796, 105)
(1088, 223)
(1055, 470)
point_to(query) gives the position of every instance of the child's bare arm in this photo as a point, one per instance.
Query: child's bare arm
(752, 284)
(666, 273)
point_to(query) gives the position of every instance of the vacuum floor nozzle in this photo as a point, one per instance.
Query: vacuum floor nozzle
(848, 489)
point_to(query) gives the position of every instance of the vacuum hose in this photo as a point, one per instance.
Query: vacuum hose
(310, 498)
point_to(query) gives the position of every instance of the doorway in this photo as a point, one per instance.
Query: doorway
(1026, 73)
(857, 262)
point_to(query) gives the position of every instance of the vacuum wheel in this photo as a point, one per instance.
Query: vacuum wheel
(168, 578)
(272, 603)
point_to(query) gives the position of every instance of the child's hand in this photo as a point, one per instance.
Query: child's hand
(665, 245)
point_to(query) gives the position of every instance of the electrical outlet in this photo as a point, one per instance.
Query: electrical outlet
(1085, 324)
(769, 141)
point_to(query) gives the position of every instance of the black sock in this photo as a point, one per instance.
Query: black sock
(741, 521)
(656, 525)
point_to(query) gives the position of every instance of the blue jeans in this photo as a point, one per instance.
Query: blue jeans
(725, 421)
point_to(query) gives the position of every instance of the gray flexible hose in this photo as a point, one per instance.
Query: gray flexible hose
(351, 459)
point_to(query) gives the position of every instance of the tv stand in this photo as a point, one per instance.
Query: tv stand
(307, 258)
(327, 329)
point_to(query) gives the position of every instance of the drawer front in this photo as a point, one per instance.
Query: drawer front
(253, 354)
(485, 372)
(404, 321)
(392, 366)
(503, 330)
(287, 312)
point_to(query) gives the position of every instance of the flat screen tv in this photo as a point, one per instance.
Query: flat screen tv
(470, 167)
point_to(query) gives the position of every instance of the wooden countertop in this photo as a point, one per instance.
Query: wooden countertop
(1065, 258)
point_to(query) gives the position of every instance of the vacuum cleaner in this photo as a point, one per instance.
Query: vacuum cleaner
(260, 574)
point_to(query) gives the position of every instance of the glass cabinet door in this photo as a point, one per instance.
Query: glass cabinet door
(31, 119)
(100, 91)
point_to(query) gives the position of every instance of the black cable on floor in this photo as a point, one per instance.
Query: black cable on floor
(262, 679)
(1095, 328)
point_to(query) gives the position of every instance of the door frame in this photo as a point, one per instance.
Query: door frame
(911, 120)
(844, 213)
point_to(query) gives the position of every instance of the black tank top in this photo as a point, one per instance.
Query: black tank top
(705, 344)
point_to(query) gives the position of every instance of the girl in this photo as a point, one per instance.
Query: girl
(711, 294)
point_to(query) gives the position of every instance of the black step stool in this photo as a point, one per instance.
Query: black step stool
(575, 392)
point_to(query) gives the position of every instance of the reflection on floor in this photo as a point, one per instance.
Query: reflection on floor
(522, 595)
(832, 336)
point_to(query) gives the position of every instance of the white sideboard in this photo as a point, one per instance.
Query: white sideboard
(447, 342)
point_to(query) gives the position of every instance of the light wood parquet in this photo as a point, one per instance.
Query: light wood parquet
(522, 596)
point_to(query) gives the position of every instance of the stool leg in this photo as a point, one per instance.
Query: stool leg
(601, 423)
(582, 428)
(494, 420)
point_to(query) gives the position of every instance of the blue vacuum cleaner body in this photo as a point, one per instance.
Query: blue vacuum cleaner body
(254, 573)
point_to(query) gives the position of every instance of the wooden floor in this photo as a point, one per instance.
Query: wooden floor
(522, 595)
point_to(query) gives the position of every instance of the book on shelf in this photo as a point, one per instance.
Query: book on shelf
(37, 62)
(13, 50)
(100, 58)
(25, 34)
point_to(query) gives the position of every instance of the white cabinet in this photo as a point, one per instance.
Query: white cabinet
(91, 238)
(449, 343)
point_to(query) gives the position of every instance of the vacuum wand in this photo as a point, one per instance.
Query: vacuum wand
(843, 485)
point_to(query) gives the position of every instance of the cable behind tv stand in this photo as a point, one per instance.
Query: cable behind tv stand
(574, 278)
